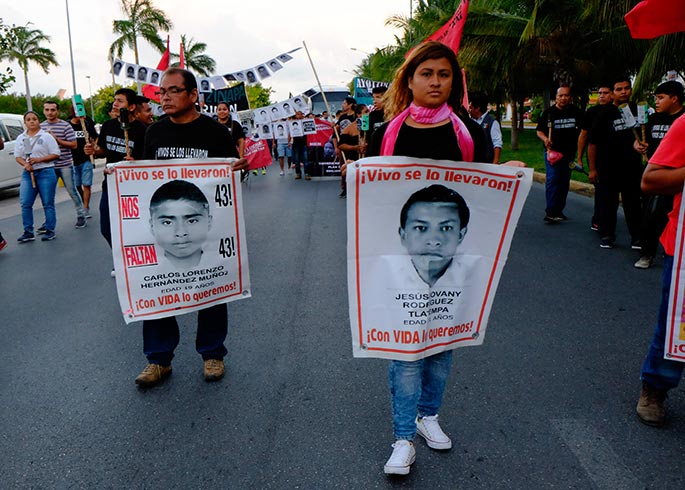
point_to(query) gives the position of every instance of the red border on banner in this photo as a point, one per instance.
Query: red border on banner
(492, 272)
(239, 291)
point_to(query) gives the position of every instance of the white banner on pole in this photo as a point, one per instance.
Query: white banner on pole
(178, 236)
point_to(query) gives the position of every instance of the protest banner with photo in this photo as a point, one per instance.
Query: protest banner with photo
(280, 130)
(257, 153)
(176, 255)
(308, 126)
(427, 244)
(296, 128)
(287, 108)
(674, 348)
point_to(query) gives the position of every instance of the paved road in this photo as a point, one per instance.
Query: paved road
(546, 403)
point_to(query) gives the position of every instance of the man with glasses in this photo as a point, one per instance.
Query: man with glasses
(186, 133)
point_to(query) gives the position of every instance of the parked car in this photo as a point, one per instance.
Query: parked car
(11, 126)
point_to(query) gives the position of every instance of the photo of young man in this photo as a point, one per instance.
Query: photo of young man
(180, 222)
(433, 224)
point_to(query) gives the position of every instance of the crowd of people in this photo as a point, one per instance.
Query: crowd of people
(421, 115)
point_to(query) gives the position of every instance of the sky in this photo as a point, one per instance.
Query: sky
(238, 34)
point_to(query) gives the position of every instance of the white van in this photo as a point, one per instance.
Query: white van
(11, 126)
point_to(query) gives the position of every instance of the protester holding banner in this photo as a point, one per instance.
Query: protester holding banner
(376, 116)
(422, 126)
(112, 144)
(184, 134)
(664, 175)
(669, 107)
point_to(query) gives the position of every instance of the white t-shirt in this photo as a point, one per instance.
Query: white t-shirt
(39, 145)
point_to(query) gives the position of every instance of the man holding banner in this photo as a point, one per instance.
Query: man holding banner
(664, 175)
(185, 133)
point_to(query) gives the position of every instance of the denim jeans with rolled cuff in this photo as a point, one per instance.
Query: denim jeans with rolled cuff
(416, 388)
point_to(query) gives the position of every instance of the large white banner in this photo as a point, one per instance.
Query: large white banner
(178, 236)
(427, 242)
(674, 348)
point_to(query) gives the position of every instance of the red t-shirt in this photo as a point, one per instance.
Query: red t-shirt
(671, 153)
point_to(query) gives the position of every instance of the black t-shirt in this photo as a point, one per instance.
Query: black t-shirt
(566, 124)
(376, 119)
(112, 139)
(657, 126)
(236, 130)
(200, 138)
(591, 116)
(614, 141)
(478, 136)
(439, 143)
(77, 154)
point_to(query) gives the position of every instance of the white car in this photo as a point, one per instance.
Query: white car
(11, 126)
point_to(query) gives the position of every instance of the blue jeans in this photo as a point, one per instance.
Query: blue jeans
(160, 337)
(46, 181)
(83, 174)
(661, 373)
(300, 156)
(556, 185)
(68, 178)
(416, 388)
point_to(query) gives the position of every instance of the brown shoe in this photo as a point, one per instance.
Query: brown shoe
(152, 375)
(307, 177)
(650, 406)
(214, 369)
(298, 176)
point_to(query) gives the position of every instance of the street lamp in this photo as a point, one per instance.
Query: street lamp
(90, 90)
(361, 51)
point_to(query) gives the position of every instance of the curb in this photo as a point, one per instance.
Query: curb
(575, 186)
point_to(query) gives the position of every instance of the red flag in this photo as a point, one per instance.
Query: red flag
(450, 33)
(652, 18)
(181, 60)
(149, 91)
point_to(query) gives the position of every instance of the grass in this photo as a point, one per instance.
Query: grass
(530, 151)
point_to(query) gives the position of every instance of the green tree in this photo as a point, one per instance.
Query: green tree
(6, 39)
(25, 47)
(258, 96)
(194, 57)
(144, 20)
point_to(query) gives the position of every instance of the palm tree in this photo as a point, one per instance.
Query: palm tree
(24, 48)
(142, 20)
(194, 57)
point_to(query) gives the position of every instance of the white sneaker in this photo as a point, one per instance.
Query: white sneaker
(282, 173)
(429, 429)
(113, 274)
(644, 262)
(402, 457)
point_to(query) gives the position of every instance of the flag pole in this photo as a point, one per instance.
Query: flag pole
(323, 94)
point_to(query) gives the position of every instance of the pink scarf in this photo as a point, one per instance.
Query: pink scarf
(425, 115)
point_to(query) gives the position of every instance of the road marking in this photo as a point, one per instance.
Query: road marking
(600, 462)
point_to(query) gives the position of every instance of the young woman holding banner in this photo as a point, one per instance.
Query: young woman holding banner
(420, 104)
